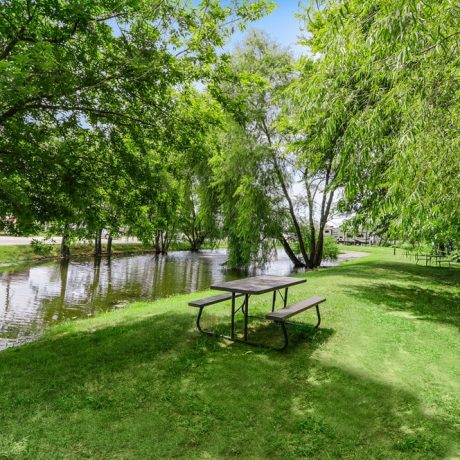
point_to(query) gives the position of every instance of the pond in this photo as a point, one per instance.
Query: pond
(40, 295)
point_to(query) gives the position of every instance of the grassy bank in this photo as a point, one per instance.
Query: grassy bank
(17, 257)
(24, 253)
(12, 254)
(381, 379)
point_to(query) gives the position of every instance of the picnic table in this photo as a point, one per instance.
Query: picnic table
(428, 258)
(256, 285)
(424, 258)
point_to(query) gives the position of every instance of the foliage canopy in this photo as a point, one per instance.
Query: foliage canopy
(125, 115)
(387, 80)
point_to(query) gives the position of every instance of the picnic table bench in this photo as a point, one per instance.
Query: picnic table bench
(255, 286)
(423, 257)
(201, 303)
(443, 260)
(285, 313)
(438, 259)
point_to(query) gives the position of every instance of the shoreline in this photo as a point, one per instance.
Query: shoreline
(23, 253)
(36, 336)
(134, 248)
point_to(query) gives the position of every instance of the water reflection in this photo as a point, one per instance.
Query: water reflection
(41, 295)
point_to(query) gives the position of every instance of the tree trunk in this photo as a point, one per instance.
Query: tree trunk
(319, 249)
(109, 245)
(287, 248)
(192, 241)
(160, 243)
(156, 243)
(196, 242)
(317, 237)
(164, 243)
(98, 244)
(65, 250)
(279, 175)
(311, 222)
(292, 213)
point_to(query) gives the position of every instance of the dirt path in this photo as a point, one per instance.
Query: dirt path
(350, 255)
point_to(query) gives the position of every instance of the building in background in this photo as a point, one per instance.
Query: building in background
(354, 238)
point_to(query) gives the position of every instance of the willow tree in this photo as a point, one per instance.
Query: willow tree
(244, 186)
(389, 77)
(277, 188)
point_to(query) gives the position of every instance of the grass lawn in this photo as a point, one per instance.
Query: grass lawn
(24, 253)
(12, 254)
(381, 379)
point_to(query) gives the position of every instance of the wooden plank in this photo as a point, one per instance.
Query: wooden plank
(258, 284)
(212, 300)
(284, 313)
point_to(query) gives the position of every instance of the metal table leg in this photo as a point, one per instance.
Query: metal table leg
(245, 309)
(232, 327)
(319, 316)
(246, 315)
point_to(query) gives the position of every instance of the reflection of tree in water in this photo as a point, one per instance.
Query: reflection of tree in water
(109, 277)
(158, 264)
(48, 293)
(93, 289)
(7, 284)
(180, 275)
(64, 271)
(54, 309)
(7, 292)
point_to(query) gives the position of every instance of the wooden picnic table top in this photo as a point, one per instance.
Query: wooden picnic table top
(258, 284)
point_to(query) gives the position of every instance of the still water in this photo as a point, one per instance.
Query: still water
(41, 295)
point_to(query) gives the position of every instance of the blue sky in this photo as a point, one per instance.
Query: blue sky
(281, 25)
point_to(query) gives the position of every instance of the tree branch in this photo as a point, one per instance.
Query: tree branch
(100, 112)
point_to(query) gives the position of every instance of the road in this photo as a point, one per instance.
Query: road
(23, 240)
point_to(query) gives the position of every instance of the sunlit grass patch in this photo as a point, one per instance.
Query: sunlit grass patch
(380, 379)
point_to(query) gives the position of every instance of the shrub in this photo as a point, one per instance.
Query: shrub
(330, 248)
(42, 248)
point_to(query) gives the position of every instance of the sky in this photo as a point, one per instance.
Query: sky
(281, 25)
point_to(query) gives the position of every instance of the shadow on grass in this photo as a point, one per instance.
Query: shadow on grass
(441, 305)
(345, 415)
(157, 389)
(268, 333)
(402, 271)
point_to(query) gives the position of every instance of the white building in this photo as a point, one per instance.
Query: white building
(359, 238)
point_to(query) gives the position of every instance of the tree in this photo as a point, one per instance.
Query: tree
(199, 219)
(174, 198)
(249, 215)
(389, 70)
(95, 70)
(272, 160)
(313, 124)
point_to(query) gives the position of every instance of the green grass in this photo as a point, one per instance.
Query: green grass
(24, 253)
(12, 254)
(381, 379)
